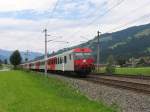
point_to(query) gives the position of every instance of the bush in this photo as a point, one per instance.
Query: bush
(110, 68)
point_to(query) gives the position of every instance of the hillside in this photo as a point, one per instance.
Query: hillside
(131, 42)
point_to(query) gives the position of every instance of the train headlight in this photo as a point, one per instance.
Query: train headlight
(84, 61)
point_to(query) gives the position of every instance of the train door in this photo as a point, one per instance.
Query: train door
(63, 64)
(68, 62)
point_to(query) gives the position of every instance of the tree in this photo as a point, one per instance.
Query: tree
(15, 58)
(110, 68)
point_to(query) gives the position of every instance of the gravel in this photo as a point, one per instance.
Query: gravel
(124, 100)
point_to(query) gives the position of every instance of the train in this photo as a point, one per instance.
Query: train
(77, 60)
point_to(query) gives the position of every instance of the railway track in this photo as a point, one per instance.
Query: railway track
(124, 75)
(138, 85)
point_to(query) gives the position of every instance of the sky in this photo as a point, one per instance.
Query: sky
(22, 21)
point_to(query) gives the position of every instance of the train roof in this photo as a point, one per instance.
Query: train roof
(85, 50)
(41, 58)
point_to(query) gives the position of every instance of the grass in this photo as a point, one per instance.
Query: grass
(130, 71)
(30, 92)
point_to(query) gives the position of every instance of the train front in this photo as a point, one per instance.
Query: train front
(83, 61)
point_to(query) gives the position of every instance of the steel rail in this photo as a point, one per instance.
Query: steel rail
(143, 77)
(135, 86)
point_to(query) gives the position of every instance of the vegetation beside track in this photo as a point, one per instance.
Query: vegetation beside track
(32, 92)
(129, 71)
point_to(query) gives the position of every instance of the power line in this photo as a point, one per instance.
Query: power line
(109, 10)
(52, 13)
(130, 22)
(98, 17)
(134, 10)
(26, 55)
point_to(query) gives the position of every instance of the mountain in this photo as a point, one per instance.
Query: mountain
(124, 44)
(5, 54)
(131, 42)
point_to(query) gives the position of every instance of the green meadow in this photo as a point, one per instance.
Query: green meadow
(32, 92)
(129, 71)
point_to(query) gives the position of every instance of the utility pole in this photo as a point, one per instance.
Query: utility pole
(98, 49)
(45, 31)
(26, 55)
(46, 41)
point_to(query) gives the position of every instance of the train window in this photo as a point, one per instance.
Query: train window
(56, 60)
(52, 61)
(65, 59)
(82, 55)
(70, 56)
(60, 60)
(48, 62)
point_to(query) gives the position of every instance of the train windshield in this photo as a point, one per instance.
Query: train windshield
(83, 55)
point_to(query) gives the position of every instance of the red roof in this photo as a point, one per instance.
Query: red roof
(85, 50)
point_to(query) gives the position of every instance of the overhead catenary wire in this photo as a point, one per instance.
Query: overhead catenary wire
(52, 13)
(98, 17)
(130, 22)
(57, 2)
(134, 10)
(106, 12)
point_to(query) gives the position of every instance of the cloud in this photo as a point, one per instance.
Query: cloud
(16, 5)
(22, 21)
